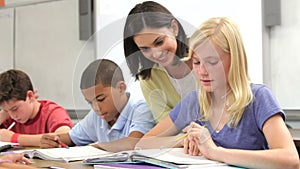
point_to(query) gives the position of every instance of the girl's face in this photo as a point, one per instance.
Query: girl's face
(211, 66)
(158, 45)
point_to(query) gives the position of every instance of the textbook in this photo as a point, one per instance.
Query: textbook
(172, 158)
(64, 154)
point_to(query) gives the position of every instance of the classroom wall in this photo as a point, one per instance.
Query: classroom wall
(7, 33)
(42, 38)
(282, 56)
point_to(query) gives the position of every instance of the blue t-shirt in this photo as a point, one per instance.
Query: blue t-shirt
(248, 134)
(135, 116)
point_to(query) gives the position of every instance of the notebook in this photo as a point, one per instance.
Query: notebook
(172, 158)
(65, 154)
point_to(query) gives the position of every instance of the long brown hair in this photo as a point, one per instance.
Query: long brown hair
(152, 15)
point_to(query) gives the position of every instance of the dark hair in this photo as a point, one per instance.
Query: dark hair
(14, 84)
(101, 71)
(153, 15)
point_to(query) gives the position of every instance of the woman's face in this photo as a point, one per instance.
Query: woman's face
(211, 66)
(158, 45)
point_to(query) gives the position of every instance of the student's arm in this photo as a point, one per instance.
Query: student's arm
(126, 143)
(10, 160)
(163, 135)
(22, 139)
(28, 139)
(282, 152)
(62, 129)
(51, 140)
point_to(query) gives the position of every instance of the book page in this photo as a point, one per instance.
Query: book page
(66, 154)
(175, 155)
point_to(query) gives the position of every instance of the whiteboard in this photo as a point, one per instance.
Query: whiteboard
(111, 15)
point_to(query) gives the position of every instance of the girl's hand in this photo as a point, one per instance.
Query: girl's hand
(189, 144)
(15, 158)
(202, 138)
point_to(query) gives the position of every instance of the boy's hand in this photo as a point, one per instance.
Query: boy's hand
(5, 135)
(49, 140)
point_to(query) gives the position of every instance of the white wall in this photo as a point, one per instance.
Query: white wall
(42, 38)
(6, 39)
(284, 59)
(111, 15)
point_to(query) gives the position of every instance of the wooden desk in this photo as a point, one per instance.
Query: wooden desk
(70, 165)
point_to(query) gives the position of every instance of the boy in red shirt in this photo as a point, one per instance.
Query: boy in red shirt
(23, 118)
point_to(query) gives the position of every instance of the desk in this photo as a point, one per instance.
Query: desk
(296, 136)
(70, 165)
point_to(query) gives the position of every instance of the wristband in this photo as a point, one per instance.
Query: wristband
(14, 138)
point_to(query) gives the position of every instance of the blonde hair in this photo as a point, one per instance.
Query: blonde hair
(225, 34)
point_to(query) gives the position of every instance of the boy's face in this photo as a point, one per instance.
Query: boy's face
(19, 110)
(104, 101)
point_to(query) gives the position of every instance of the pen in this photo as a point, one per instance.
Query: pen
(182, 137)
(11, 126)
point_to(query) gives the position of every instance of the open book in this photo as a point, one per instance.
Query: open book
(65, 154)
(167, 158)
(172, 155)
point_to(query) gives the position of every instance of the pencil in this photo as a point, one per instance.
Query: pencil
(11, 125)
(62, 144)
(182, 137)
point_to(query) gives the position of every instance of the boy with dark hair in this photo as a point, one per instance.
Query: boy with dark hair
(116, 122)
(23, 118)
